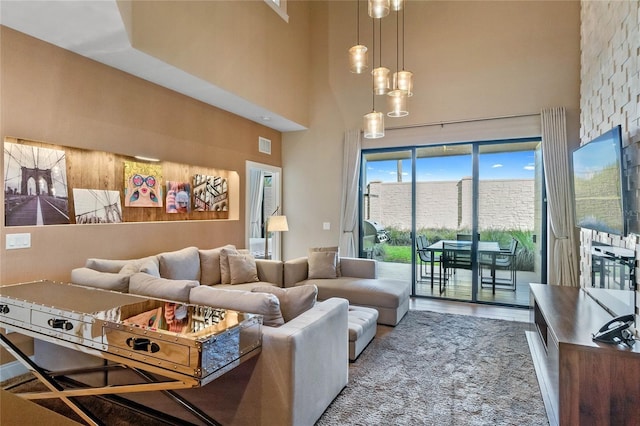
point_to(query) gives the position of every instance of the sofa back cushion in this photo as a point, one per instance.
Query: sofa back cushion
(294, 300)
(334, 249)
(182, 264)
(263, 304)
(146, 264)
(210, 265)
(147, 285)
(105, 265)
(102, 280)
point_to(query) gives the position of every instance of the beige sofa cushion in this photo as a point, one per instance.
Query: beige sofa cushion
(102, 280)
(145, 264)
(322, 264)
(294, 300)
(210, 265)
(225, 273)
(181, 264)
(242, 268)
(263, 304)
(161, 288)
(105, 265)
(334, 249)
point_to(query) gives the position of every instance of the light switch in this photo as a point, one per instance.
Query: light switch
(326, 226)
(18, 241)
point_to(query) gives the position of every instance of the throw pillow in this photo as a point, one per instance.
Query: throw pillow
(322, 264)
(333, 248)
(263, 304)
(133, 266)
(161, 288)
(182, 264)
(242, 268)
(225, 275)
(293, 300)
(210, 265)
(105, 265)
(103, 280)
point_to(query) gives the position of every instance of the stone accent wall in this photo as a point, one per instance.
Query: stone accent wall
(610, 95)
(504, 204)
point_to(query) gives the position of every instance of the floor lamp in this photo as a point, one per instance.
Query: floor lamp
(273, 224)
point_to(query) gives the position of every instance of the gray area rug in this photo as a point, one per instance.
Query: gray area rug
(442, 369)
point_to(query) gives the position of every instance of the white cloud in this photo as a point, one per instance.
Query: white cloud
(530, 166)
(495, 166)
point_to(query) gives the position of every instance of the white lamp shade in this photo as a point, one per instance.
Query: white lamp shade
(396, 5)
(277, 224)
(398, 103)
(379, 8)
(381, 80)
(403, 80)
(374, 125)
(358, 58)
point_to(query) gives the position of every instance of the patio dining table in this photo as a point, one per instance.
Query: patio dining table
(490, 248)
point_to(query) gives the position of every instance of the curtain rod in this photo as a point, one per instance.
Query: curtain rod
(470, 120)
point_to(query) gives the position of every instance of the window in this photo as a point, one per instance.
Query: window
(280, 6)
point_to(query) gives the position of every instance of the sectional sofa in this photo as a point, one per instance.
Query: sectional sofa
(303, 363)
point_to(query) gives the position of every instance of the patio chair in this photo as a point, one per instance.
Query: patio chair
(425, 257)
(454, 256)
(506, 260)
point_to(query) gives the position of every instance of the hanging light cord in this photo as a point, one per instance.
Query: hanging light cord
(373, 81)
(358, 24)
(397, 45)
(405, 6)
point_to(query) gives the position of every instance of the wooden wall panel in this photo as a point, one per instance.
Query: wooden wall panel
(105, 171)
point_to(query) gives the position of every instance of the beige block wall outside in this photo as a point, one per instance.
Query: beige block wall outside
(503, 204)
(610, 96)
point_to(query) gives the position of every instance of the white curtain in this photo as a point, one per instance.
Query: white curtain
(350, 177)
(563, 261)
(256, 181)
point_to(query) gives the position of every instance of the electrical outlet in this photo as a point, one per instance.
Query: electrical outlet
(326, 226)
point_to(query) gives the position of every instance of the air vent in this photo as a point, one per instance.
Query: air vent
(264, 145)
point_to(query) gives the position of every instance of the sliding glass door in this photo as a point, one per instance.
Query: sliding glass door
(461, 221)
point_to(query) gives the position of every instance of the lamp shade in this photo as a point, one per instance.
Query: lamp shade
(396, 5)
(403, 80)
(398, 103)
(374, 125)
(379, 8)
(381, 80)
(358, 59)
(277, 224)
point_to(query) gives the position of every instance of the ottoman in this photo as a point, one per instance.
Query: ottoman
(362, 329)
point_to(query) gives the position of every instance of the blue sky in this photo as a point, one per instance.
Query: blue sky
(508, 165)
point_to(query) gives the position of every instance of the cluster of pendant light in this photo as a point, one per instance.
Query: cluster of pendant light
(400, 86)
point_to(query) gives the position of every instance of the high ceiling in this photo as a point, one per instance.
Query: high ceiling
(95, 29)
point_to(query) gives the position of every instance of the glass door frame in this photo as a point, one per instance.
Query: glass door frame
(475, 146)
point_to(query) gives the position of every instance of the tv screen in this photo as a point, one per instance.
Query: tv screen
(597, 183)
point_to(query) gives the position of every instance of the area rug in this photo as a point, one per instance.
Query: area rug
(442, 369)
(431, 369)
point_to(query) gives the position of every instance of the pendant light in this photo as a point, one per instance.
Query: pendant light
(379, 8)
(374, 121)
(380, 74)
(397, 97)
(403, 80)
(358, 53)
(396, 5)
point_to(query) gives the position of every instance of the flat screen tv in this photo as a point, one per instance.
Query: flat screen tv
(597, 182)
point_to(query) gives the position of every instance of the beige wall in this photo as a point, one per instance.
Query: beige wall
(52, 95)
(470, 60)
(610, 96)
(243, 47)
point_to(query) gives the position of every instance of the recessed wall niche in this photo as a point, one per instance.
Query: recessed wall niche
(46, 184)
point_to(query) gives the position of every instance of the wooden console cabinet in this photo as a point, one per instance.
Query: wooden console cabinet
(582, 382)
